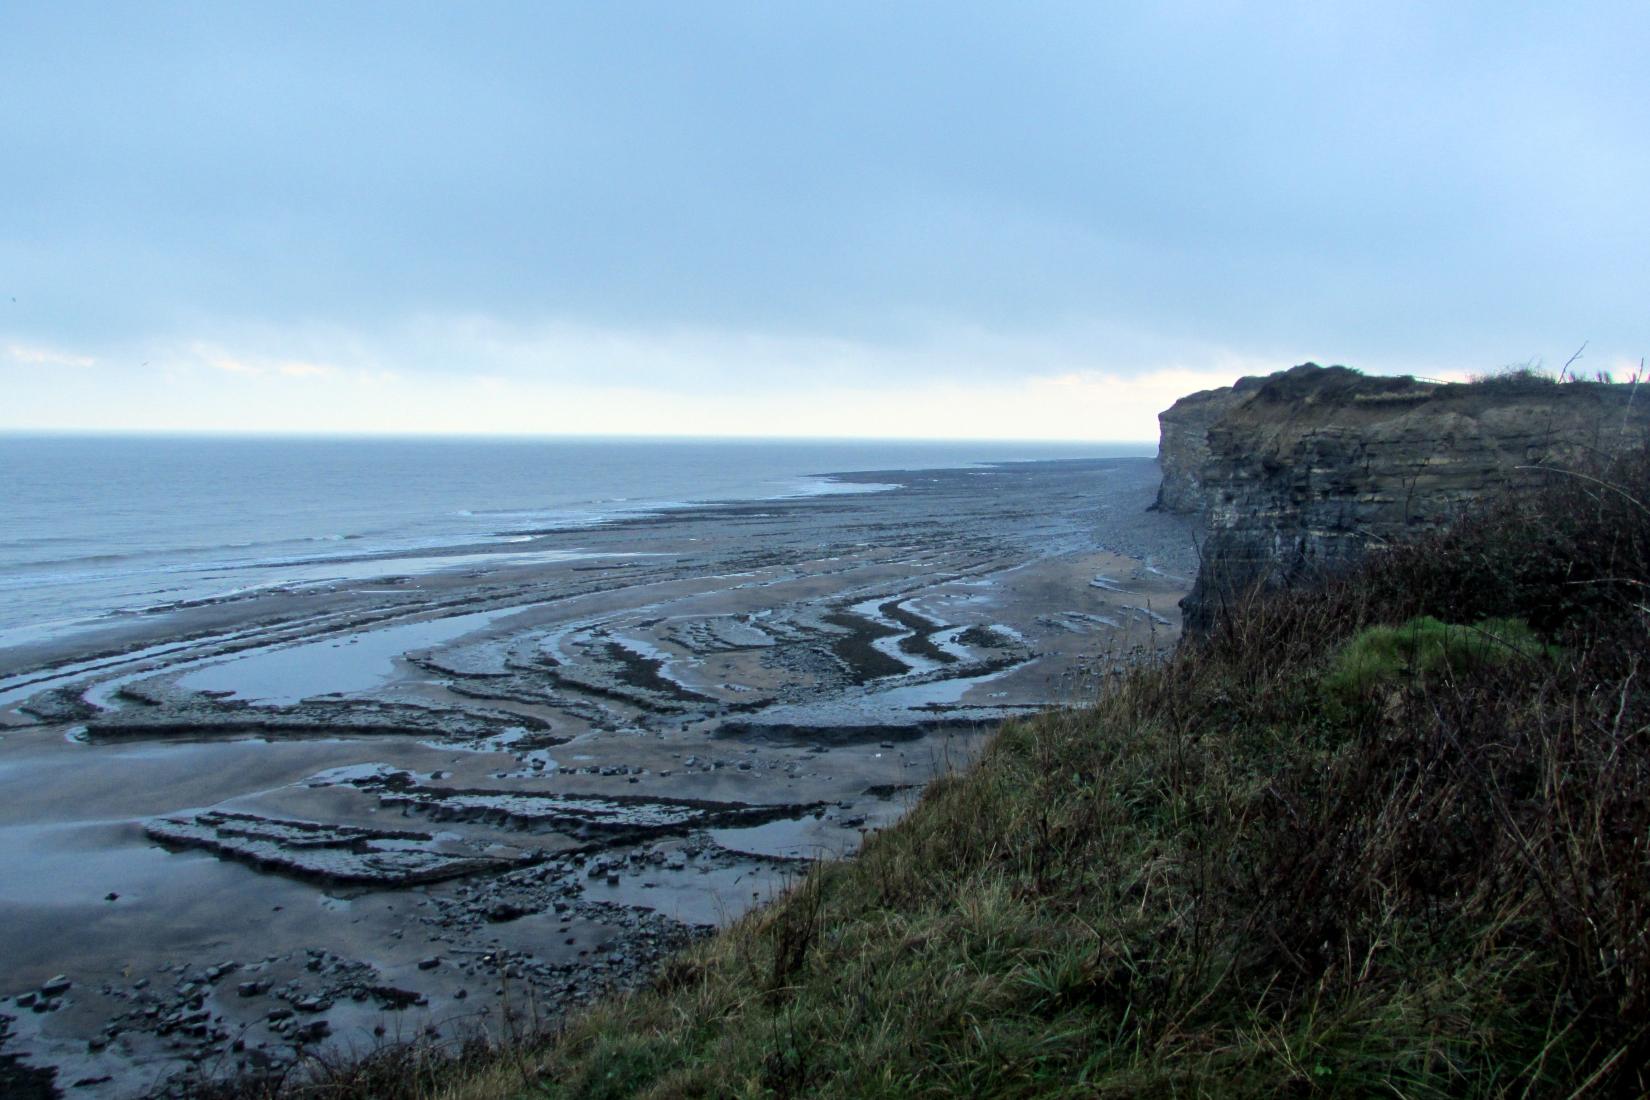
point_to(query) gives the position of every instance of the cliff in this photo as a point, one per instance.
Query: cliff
(1302, 471)
(1183, 448)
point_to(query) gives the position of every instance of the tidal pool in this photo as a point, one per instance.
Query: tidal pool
(284, 675)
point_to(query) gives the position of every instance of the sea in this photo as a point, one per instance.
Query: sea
(94, 526)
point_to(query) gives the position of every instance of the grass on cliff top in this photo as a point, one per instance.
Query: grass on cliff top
(1424, 646)
(1313, 855)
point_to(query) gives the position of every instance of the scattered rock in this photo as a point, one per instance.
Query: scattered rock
(507, 911)
(393, 999)
(312, 1032)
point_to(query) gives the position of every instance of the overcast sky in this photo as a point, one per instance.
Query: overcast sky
(1013, 220)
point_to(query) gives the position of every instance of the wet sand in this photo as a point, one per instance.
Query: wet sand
(388, 804)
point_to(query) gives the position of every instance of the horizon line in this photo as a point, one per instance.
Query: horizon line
(278, 433)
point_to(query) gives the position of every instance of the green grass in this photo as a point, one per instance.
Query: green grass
(1217, 882)
(1386, 656)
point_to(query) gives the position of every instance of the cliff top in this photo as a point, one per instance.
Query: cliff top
(1310, 383)
(1310, 395)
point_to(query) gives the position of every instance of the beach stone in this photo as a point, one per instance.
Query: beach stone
(507, 911)
(312, 1032)
(394, 999)
(51, 987)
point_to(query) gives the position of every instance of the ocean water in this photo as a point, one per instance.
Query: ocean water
(93, 526)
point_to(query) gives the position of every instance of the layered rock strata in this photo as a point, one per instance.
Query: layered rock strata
(1303, 471)
(1183, 448)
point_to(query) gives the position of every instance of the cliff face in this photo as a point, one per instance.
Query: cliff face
(1302, 471)
(1183, 448)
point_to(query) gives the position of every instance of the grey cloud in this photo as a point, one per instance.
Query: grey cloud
(1390, 182)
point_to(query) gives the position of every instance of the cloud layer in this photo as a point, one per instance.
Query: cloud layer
(731, 202)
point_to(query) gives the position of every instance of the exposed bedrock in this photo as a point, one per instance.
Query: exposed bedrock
(1302, 471)
(170, 713)
(322, 851)
(828, 735)
(1183, 447)
(608, 819)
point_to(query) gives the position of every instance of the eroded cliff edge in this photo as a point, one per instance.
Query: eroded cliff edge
(1302, 471)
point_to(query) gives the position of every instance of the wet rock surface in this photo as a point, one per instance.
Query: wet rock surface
(246, 831)
(20, 1080)
(343, 854)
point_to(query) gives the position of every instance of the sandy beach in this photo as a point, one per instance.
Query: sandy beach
(460, 793)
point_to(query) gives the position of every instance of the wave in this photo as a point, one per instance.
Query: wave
(820, 485)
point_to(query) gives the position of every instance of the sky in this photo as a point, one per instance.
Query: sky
(954, 220)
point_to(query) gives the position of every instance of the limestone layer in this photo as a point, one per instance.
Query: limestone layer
(1303, 471)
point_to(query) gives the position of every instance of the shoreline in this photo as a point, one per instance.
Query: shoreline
(160, 539)
(574, 763)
